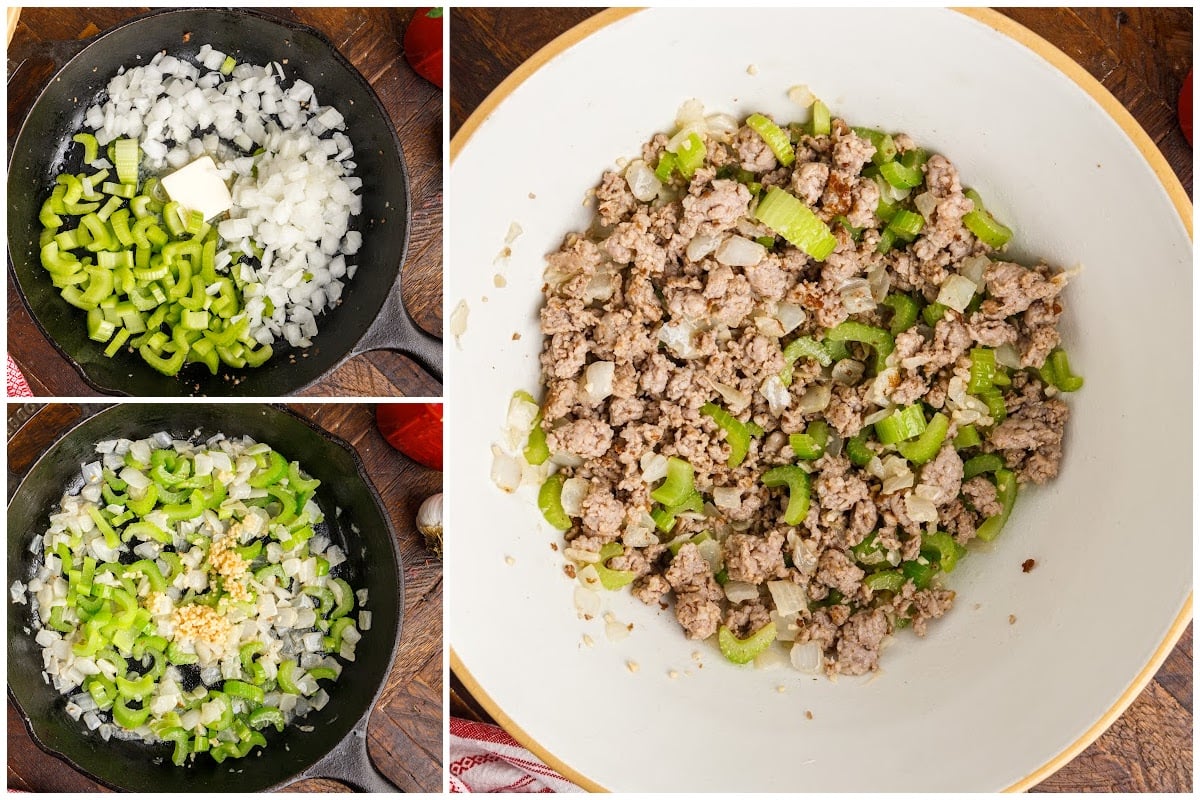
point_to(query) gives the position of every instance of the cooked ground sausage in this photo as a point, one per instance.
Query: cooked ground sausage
(695, 301)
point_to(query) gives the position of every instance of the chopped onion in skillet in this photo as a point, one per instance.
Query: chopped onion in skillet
(183, 594)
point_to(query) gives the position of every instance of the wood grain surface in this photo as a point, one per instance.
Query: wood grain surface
(405, 732)
(1141, 55)
(371, 39)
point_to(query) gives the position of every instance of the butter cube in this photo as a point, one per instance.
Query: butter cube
(199, 187)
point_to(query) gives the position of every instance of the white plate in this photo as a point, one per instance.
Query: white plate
(982, 703)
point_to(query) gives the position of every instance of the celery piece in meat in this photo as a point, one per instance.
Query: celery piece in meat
(1006, 491)
(743, 651)
(929, 442)
(798, 484)
(550, 502)
(679, 483)
(794, 221)
(775, 137)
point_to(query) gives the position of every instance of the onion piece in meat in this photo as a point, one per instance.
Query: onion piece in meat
(848, 372)
(790, 598)
(956, 292)
(701, 245)
(926, 204)
(973, 268)
(721, 124)
(643, 183)
(574, 490)
(598, 381)
(920, 509)
(777, 395)
(677, 336)
(740, 591)
(1007, 355)
(856, 296)
(735, 400)
(808, 658)
(737, 251)
(654, 467)
(710, 551)
(880, 282)
(790, 315)
(727, 497)
(815, 398)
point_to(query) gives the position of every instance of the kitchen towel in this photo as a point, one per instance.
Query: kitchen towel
(483, 758)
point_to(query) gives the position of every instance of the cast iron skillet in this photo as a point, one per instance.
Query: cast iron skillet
(337, 745)
(371, 315)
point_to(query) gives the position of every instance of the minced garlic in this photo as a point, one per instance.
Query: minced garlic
(204, 624)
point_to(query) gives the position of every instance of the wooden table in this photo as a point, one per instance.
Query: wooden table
(371, 39)
(1141, 56)
(405, 732)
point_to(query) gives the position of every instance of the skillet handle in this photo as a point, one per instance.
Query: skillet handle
(350, 764)
(394, 329)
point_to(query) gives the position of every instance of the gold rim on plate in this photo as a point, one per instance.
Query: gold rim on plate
(1111, 106)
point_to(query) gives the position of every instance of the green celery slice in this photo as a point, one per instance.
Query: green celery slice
(793, 220)
(775, 137)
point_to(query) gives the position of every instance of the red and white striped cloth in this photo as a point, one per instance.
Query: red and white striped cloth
(483, 758)
(17, 385)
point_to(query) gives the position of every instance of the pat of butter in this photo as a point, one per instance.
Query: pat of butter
(199, 187)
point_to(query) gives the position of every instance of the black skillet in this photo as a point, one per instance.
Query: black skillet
(336, 747)
(371, 315)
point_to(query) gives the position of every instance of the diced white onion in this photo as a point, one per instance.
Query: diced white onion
(777, 395)
(701, 245)
(956, 292)
(598, 380)
(587, 601)
(654, 466)
(1007, 355)
(973, 268)
(815, 398)
(740, 591)
(848, 371)
(808, 658)
(925, 204)
(789, 597)
(574, 490)
(677, 336)
(506, 470)
(920, 509)
(802, 96)
(710, 551)
(790, 316)
(643, 183)
(727, 497)
(641, 533)
(880, 282)
(856, 296)
(737, 251)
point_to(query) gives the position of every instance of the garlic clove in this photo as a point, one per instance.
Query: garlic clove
(429, 523)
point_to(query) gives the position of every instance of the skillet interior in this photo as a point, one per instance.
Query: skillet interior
(130, 765)
(43, 149)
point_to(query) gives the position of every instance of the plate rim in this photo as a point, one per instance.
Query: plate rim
(1111, 106)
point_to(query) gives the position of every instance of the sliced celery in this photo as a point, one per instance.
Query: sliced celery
(775, 137)
(794, 221)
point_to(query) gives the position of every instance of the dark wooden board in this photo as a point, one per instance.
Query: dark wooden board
(1140, 55)
(405, 732)
(371, 38)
